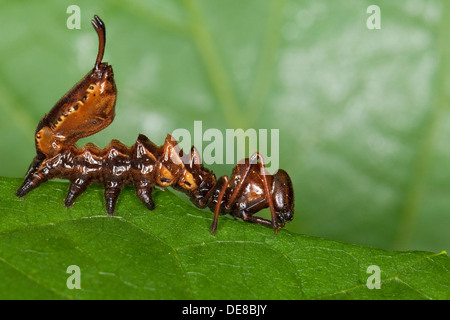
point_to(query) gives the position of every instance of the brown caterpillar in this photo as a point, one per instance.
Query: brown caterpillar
(89, 108)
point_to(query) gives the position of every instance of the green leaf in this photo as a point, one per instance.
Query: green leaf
(169, 253)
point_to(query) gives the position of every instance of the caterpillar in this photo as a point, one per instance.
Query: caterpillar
(89, 107)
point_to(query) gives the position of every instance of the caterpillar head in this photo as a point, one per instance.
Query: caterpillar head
(85, 109)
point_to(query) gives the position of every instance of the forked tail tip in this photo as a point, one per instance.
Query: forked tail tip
(99, 27)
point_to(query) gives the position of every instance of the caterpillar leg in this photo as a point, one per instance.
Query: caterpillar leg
(255, 219)
(268, 195)
(111, 195)
(262, 166)
(76, 188)
(33, 178)
(218, 190)
(223, 189)
(29, 184)
(144, 188)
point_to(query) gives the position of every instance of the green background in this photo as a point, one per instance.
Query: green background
(363, 114)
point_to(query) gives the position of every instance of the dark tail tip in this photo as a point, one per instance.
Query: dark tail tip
(24, 189)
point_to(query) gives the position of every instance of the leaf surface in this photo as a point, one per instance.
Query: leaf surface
(168, 253)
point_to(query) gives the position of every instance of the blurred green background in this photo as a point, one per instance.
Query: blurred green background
(363, 114)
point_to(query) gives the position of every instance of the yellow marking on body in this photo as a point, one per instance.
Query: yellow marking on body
(165, 174)
(75, 107)
(189, 178)
(47, 142)
(91, 88)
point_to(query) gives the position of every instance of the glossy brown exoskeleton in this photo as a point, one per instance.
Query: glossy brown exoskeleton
(89, 107)
(85, 109)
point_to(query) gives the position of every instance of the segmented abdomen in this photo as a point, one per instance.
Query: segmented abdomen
(144, 165)
(91, 164)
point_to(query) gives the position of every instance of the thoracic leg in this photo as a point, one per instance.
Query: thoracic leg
(262, 167)
(254, 160)
(224, 181)
(222, 185)
(255, 219)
